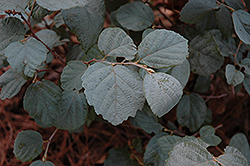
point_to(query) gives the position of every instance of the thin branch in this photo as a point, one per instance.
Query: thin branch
(47, 147)
(219, 3)
(174, 131)
(235, 55)
(32, 8)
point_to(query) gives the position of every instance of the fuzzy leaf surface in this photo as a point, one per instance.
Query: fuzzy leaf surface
(135, 16)
(54, 5)
(207, 135)
(191, 111)
(49, 37)
(234, 77)
(115, 42)
(162, 92)
(13, 5)
(163, 48)
(40, 163)
(28, 145)
(167, 143)
(43, 100)
(115, 91)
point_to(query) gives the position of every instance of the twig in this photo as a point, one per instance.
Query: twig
(32, 8)
(219, 3)
(214, 97)
(174, 131)
(47, 147)
(235, 55)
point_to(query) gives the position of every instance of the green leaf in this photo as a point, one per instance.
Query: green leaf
(236, 4)
(209, 118)
(115, 91)
(207, 22)
(43, 100)
(71, 75)
(26, 55)
(11, 30)
(226, 46)
(115, 42)
(59, 20)
(146, 120)
(246, 64)
(191, 111)
(13, 5)
(202, 84)
(207, 135)
(182, 73)
(241, 20)
(162, 92)
(232, 157)
(92, 53)
(234, 77)
(205, 57)
(153, 155)
(41, 163)
(190, 152)
(54, 5)
(246, 83)
(74, 111)
(135, 16)
(91, 21)
(240, 142)
(163, 48)
(11, 83)
(166, 143)
(146, 32)
(38, 12)
(224, 21)
(195, 10)
(49, 37)
(114, 5)
(119, 156)
(28, 145)
(75, 53)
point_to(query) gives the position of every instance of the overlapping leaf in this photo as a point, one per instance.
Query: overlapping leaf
(54, 5)
(75, 53)
(166, 143)
(146, 120)
(236, 4)
(135, 16)
(190, 152)
(119, 156)
(43, 100)
(162, 92)
(205, 57)
(49, 37)
(240, 142)
(115, 42)
(163, 48)
(241, 20)
(191, 111)
(194, 10)
(74, 111)
(246, 83)
(41, 163)
(207, 135)
(92, 53)
(11, 83)
(28, 145)
(115, 91)
(13, 5)
(86, 22)
(26, 55)
(234, 77)
(11, 30)
(71, 75)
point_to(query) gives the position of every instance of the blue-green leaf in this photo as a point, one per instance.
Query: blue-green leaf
(146, 120)
(49, 37)
(92, 53)
(119, 156)
(43, 100)
(115, 91)
(191, 111)
(207, 135)
(246, 83)
(153, 155)
(115, 42)
(190, 152)
(54, 5)
(232, 156)
(11, 30)
(162, 92)
(74, 111)
(71, 75)
(11, 83)
(41, 163)
(86, 22)
(13, 5)
(135, 16)
(205, 57)
(75, 53)
(194, 10)
(146, 32)
(240, 142)
(236, 4)
(163, 48)
(246, 64)
(28, 145)
(202, 84)
(26, 55)
(241, 20)
(234, 77)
